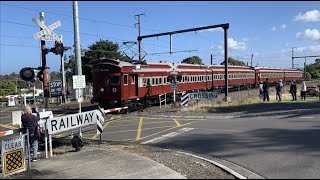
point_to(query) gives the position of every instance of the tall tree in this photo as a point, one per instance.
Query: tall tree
(98, 50)
(235, 62)
(192, 60)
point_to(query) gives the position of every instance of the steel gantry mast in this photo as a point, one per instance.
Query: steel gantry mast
(225, 28)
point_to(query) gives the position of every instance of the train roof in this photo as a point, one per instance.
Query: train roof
(165, 66)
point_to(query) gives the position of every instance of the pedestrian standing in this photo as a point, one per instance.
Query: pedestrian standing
(29, 121)
(279, 88)
(293, 91)
(303, 90)
(261, 89)
(266, 86)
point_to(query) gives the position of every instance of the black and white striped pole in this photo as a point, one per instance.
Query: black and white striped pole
(184, 99)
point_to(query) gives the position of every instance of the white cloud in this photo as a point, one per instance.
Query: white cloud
(273, 28)
(309, 16)
(303, 50)
(311, 34)
(283, 26)
(234, 45)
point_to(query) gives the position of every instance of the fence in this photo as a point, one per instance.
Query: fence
(164, 100)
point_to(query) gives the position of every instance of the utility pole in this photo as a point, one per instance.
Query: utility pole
(251, 59)
(77, 48)
(139, 41)
(225, 28)
(292, 56)
(77, 38)
(44, 66)
(305, 68)
(63, 77)
(212, 57)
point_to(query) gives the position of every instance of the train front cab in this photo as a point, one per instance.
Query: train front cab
(107, 85)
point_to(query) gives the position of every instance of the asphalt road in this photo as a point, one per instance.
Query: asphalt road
(273, 146)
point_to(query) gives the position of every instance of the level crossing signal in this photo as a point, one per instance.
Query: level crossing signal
(29, 74)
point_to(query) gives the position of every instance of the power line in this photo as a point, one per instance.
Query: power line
(17, 45)
(86, 19)
(87, 34)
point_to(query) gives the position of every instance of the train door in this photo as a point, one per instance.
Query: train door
(133, 85)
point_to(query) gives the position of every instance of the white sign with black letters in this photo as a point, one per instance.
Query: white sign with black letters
(79, 82)
(65, 123)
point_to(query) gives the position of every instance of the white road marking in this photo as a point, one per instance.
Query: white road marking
(166, 136)
(305, 117)
(219, 130)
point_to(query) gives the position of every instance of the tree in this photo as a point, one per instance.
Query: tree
(192, 60)
(235, 62)
(7, 88)
(314, 69)
(105, 49)
(55, 76)
(98, 50)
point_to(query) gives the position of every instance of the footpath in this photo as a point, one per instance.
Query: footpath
(98, 163)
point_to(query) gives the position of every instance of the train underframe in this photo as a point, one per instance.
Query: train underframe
(144, 102)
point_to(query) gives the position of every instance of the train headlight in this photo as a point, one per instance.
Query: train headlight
(101, 89)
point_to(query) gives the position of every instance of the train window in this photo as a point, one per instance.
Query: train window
(144, 81)
(153, 81)
(133, 79)
(157, 82)
(164, 80)
(148, 82)
(125, 79)
(160, 81)
(114, 80)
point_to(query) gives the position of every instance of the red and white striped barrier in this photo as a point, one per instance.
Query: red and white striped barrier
(11, 96)
(114, 109)
(5, 133)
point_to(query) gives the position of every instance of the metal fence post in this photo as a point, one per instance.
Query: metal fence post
(28, 150)
(165, 100)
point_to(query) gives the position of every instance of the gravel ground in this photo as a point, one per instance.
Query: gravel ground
(188, 166)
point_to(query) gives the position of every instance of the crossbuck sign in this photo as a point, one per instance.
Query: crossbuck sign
(46, 34)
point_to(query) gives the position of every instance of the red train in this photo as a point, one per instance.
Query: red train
(117, 83)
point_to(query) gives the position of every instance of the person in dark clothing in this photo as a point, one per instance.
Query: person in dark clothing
(279, 87)
(293, 91)
(29, 121)
(266, 86)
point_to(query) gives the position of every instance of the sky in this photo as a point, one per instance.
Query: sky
(268, 30)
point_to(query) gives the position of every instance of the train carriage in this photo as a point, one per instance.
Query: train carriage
(273, 74)
(117, 83)
(293, 75)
